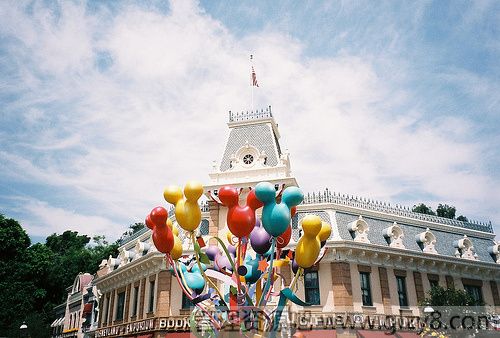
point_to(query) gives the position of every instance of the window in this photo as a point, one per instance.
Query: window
(366, 293)
(120, 305)
(151, 296)
(311, 286)
(475, 292)
(186, 302)
(248, 159)
(434, 283)
(403, 299)
(134, 303)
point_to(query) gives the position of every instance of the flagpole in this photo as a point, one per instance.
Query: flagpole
(251, 65)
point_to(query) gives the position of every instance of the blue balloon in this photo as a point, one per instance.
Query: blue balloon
(276, 217)
(253, 273)
(194, 279)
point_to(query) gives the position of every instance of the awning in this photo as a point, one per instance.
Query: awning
(178, 335)
(57, 322)
(372, 334)
(316, 333)
(87, 308)
(145, 336)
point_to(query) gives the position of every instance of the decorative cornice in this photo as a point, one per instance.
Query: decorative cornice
(373, 254)
(367, 204)
(400, 219)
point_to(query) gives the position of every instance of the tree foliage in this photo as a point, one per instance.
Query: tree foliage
(443, 210)
(423, 209)
(33, 278)
(439, 296)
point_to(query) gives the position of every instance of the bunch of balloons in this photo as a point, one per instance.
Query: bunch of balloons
(247, 264)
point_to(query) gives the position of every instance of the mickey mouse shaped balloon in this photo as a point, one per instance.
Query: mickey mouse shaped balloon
(163, 238)
(240, 220)
(308, 247)
(187, 210)
(276, 216)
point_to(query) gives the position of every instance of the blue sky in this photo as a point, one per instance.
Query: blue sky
(105, 103)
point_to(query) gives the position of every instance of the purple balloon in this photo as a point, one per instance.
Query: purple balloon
(212, 251)
(260, 240)
(295, 266)
(222, 262)
(232, 250)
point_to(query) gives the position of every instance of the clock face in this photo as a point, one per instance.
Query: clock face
(248, 159)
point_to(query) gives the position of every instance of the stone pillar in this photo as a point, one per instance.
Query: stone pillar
(450, 284)
(384, 290)
(213, 221)
(494, 293)
(163, 294)
(127, 303)
(141, 299)
(342, 287)
(419, 287)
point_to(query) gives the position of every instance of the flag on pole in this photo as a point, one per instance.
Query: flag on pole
(254, 79)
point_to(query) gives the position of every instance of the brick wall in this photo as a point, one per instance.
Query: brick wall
(342, 286)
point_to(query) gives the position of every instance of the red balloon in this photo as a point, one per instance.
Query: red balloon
(229, 196)
(158, 216)
(149, 222)
(163, 238)
(253, 202)
(240, 220)
(293, 211)
(283, 239)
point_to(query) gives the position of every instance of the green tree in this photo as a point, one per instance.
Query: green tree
(445, 210)
(423, 209)
(439, 296)
(132, 229)
(462, 218)
(33, 279)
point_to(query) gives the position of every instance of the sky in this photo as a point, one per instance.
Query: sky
(103, 104)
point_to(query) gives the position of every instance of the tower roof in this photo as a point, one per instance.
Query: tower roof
(252, 152)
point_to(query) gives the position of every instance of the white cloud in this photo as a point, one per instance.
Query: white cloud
(155, 115)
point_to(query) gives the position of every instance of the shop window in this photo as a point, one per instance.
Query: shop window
(120, 304)
(402, 295)
(311, 287)
(151, 296)
(136, 300)
(186, 302)
(366, 292)
(475, 292)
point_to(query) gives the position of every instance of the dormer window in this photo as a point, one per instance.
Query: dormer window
(359, 230)
(426, 241)
(465, 249)
(394, 236)
(494, 252)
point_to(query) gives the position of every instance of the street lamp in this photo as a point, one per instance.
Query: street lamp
(23, 329)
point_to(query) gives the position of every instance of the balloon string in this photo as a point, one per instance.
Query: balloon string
(269, 271)
(212, 319)
(238, 258)
(203, 271)
(300, 271)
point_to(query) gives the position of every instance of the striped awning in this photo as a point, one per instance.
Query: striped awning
(57, 322)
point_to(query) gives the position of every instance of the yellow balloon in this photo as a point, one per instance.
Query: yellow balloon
(172, 194)
(187, 210)
(308, 247)
(174, 229)
(325, 232)
(176, 252)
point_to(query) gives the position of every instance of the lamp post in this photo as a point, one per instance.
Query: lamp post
(23, 330)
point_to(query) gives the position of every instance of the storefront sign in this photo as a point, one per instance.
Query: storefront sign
(124, 329)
